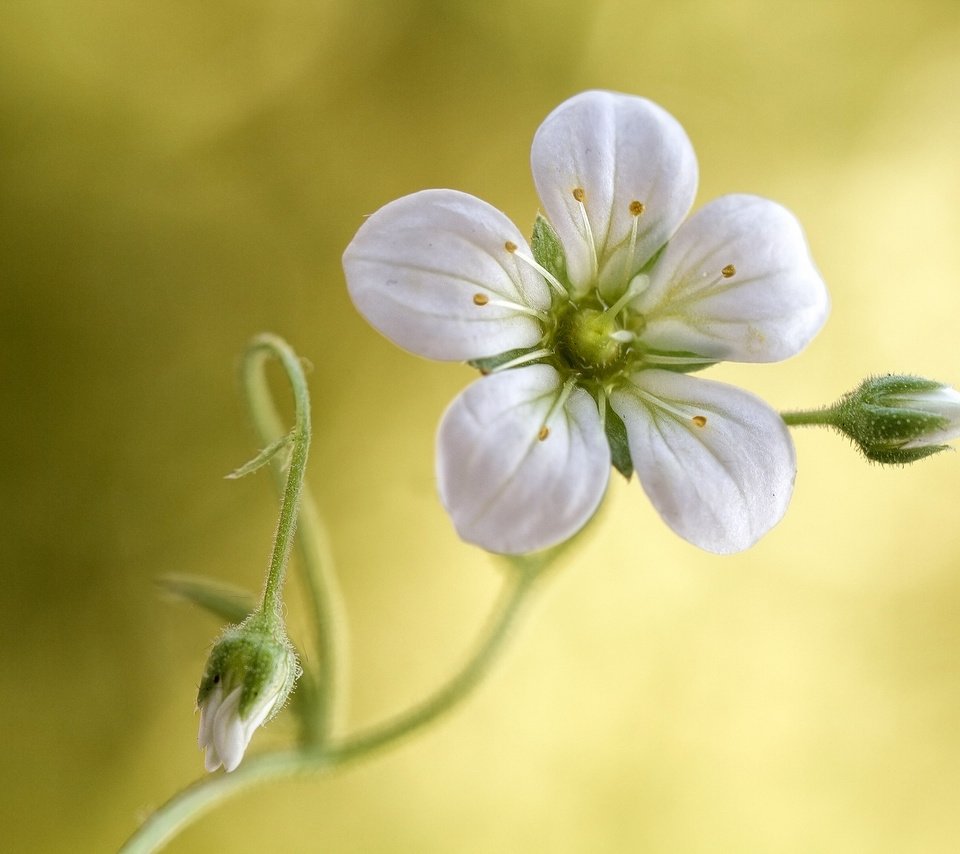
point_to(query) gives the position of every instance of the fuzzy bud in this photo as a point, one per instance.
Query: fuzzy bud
(899, 419)
(249, 675)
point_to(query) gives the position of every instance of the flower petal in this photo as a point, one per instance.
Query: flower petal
(736, 282)
(519, 467)
(717, 462)
(433, 272)
(208, 711)
(228, 732)
(619, 150)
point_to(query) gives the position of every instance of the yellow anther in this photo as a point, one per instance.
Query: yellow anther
(637, 208)
(578, 194)
(480, 299)
(510, 246)
(700, 420)
(544, 432)
(728, 271)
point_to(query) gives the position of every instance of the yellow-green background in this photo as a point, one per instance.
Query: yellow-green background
(177, 176)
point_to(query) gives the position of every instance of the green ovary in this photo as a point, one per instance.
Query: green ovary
(584, 342)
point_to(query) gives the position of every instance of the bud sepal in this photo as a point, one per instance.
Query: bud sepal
(249, 676)
(898, 419)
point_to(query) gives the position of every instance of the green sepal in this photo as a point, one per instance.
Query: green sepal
(230, 603)
(264, 457)
(547, 249)
(619, 446)
(901, 456)
(257, 656)
(889, 425)
(491, 363)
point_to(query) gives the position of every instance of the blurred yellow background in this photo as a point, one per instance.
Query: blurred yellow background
(177, 176)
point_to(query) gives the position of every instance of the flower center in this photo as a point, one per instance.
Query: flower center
(590, 340)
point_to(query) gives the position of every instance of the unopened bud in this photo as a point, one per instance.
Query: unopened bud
(249, 675)
(899, 419)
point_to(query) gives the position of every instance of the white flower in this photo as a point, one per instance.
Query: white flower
(590, 334)
(248, 678)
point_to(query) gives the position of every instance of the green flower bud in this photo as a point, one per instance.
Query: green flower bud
(249, 676)
(899, 419)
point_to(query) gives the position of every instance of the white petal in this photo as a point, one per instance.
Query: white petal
(717, 462)
(415, 266)
(211, 760)
(618, 149)
(208, 711)
(943, 401)
(768, 309)
(506, 488)
(228, 731)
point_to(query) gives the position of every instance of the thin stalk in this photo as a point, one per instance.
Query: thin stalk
(316, 557)
(262, 347)
(809, 418)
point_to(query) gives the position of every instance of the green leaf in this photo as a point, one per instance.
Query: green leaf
(619, 446)
(264, 457)
(230, 603)
(547, 249)
(485, 366)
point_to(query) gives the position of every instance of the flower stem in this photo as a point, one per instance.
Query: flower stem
(316, 559)
(187, 806)
(809, 418)
(261, 348)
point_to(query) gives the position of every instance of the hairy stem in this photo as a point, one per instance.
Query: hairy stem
(316, 558)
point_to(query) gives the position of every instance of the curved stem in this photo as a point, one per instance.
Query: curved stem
(316, 557)
(187, 806)
(262, 347)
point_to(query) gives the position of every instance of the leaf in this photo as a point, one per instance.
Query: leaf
(232, 604)
(264, 457)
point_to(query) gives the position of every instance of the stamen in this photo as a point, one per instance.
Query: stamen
(480, 299)
(660, 359)
(636, 210)
(729, 271)
(700, 420)
(557, 405)
(522, 309)
(666, 407)
(636, 287)
(543, 271)
(579, 195)
(522, 360)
